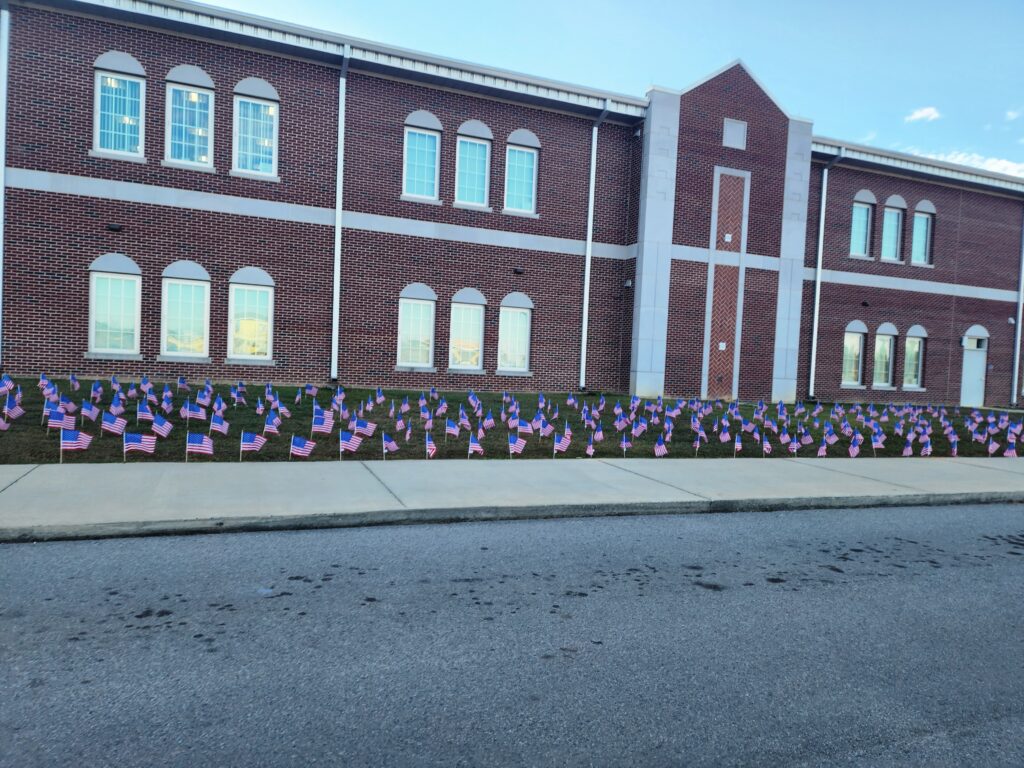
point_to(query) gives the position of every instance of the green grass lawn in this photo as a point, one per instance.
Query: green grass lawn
(28, 441)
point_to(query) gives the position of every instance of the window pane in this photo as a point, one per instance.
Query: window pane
(421, 163)
(471, 175)
(114, 313)
(920, 250)
(514, 339)
(892, 229)
(120, 114)
(254, 134)
(250, 322)
(189, 126)
(860, 229)
(185, 318)
(883, 360)
(520, 167)
(852, 346)
(467, 330)
(912, 364)
(415, 332)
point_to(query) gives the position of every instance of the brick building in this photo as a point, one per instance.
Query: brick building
(192, 191)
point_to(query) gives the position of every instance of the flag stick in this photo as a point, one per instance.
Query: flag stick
(290, 447)
(186, 442)
(124, 450)
(239, 448)
(383, 450)
(60, 445)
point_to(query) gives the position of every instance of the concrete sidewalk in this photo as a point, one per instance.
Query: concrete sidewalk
(41, 502)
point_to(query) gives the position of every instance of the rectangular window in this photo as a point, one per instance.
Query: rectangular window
(892, 233)
(119, 114)
(853, 353)
(883, 361)
(921, 250)
(415, 332)
(189, 134)
(255, 148)
(514, 339)
(465, 347)
(421, 167)
(251, 324)
(472, 171)
(860, 230)
(521, 179)
(913, 362)
(186, 315)
(114, 313)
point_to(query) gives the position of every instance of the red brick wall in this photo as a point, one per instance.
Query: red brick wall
(733, 94)
(50, 107)
(685, 340)
(611, 324)
(52, 239)
(757, 344)
(723, 329)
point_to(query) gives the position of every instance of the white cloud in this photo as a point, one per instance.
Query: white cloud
(974, 160)
(924, 113)
(1013, 114)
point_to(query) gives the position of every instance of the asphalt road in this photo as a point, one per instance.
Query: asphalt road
(867, 638)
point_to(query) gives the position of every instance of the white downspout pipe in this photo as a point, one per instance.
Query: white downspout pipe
(5, 40)
(339, 187)
(1020, 318)
(589, 246)
(817, 270)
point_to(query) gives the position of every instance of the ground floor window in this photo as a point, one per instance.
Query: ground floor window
(913, 362)
(883, 360)
(853, 354)
(186, 318)
(250, 329)
(415, 332)
(466, 338)
(114, 313)
(514, 339)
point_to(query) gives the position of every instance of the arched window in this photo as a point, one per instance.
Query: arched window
(473, 165)
(421, 167)
(119, 113)
(189, 121)
(853, 353)
(885, 344)
(913, 357)
(416, 305)
(256, 118)
(860, 227)
(892, 228)
(115, 307)
(185, 311)
(250, 315)
(466, 334)
(514, 334)
(521, 172)
(924, 223)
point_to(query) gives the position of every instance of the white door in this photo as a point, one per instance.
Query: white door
(972, 382)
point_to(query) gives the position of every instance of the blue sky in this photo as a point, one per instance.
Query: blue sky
(941, 78)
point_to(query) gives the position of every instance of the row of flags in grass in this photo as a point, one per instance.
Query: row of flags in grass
(790, 425)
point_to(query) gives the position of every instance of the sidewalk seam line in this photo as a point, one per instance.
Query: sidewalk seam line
(19, 477)
(984, 466)
(386, 487)
(654, 480)
(804, 462)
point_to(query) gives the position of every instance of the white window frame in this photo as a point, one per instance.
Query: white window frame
(437, 163)
(734, 133)
(892, 361)
(860, 360)
(458, 163)
(101, 73)
(238, 97)
(167, 125)
(451, 337)
(901, 214)
(268, 289)
(871, 221)
(929, 238)
(402, 301)
(529, 340)
(166, 281)
(536, 166)
(137, 280)
(919, 373)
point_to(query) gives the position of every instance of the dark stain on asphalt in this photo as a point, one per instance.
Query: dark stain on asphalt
(709, 585)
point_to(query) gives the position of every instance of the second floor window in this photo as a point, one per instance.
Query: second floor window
(189, 130)
(860, 230)
(471, 171)
(892, 233)
(921, 250)
(120, 104)
(421, 167)
(521, 179)
(256, 124)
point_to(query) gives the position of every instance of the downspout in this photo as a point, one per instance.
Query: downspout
(338, 210)
(817, 269)
(1020, 317)
(589, 246)
(5, 40)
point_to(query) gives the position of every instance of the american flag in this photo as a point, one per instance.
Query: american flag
(562, 442)
(546, 427)
(251, 442)
(823, 449)
(323, 424)
(404, 408)
(183, 384)
(298, 396)
(738, 442)
(399, 424)
(993, 446)
(96, 393)
(132, 393)
(116, 407)
(259, 406)
(73, 440)
(926, 446)
(624, 443)
(271, 424)
(451, 428)
(161, 426)
(197, 442)
(516, 444)
(766, 445)
(908, 448)
(380, 396)
(660, 449)
(136, 442)
(365, 428)
(301, 446)
(217, 424)
(192, 411)
(431, 447)
(525, 427)
(113, 424)
(6, 384)
(350, 442)
(312, 390)
(590, 446)
(142, 412)
(598, 433)
(794, 446)
(60, 420)
(442, 408)
(75, 385)
(284, 410)
(390, 446)
(489, 421)
(474, 445)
